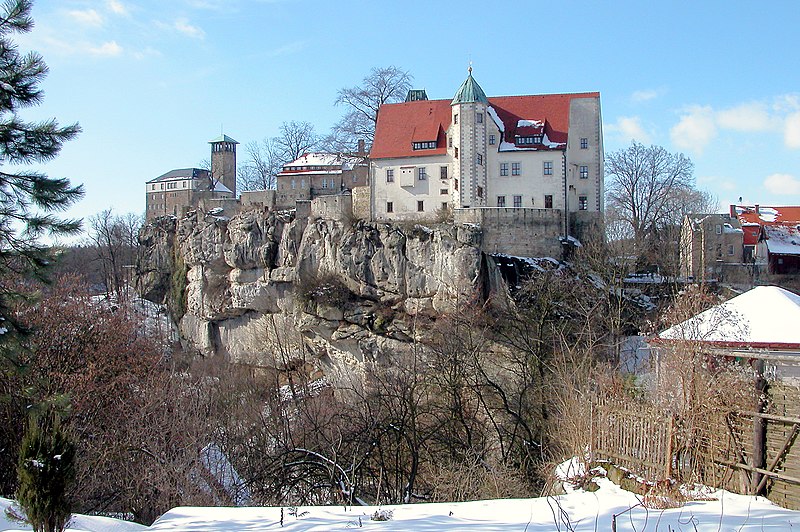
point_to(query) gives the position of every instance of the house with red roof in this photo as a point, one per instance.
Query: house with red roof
(319, 174)
(535, 152)
(753, 217)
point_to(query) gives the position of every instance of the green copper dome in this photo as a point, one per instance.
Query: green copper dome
(469, 92)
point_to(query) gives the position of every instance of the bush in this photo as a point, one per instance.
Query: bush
(326, 290)
(46, 470)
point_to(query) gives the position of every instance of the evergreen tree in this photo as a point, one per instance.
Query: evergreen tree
(46, 468)
(28, 199)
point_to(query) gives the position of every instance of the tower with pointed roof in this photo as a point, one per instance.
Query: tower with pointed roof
(469, 133)
(223, 162)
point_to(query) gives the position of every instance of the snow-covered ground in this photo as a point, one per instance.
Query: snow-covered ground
(578, 511)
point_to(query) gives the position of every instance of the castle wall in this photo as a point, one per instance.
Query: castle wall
(521, 232)
(258, 198)
(339, 207)
(361, 203)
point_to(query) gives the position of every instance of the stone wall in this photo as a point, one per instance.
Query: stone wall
(338, 207)
(258, 198)
(521, 232)
(361, 202)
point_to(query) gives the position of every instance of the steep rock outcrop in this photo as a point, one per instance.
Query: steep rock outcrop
(263, 284)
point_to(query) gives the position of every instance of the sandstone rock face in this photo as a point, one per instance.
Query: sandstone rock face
(263, 285)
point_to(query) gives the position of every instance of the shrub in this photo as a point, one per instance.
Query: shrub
(46, 470)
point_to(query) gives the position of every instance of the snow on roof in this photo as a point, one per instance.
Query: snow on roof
(766, 316)
(342, 162)
(530, 123)
(219, 187)
(782, 239)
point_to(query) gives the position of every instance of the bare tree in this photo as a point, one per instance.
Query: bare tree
(382, 85)
(296, 139)
(264, 162)
(267, 157)
(114, 239)
(649, 191)
(643, 182)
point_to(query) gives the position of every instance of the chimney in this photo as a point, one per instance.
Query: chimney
(733, 211)
(361, 147)
(757, 211)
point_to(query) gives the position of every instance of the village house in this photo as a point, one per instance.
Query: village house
(709, 243)
(538, 152)
(177, 191)
(320, 174)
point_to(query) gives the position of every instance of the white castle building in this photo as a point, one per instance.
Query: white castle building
(513, 152)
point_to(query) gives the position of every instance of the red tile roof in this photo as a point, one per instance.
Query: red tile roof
(767, 215)
(401, 124)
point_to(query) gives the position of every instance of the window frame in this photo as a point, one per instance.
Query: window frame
(422, 173)
(503, 169)
(501, 200)
(584, 143)
(517, 201)
(583, 171)
(516, 169)
(390, 175)
(547, 168)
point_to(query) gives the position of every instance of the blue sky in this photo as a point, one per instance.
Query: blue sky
(151, 81)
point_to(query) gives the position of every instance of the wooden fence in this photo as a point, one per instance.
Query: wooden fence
(744, 451)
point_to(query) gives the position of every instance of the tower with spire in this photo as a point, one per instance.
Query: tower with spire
(469, 140)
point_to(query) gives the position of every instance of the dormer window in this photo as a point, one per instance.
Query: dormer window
(431, 145)
(535, 139)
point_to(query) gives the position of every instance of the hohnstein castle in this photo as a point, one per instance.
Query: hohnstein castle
(527, 169)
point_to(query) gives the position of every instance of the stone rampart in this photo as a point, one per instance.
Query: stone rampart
(336, 207)
(361, 203)
(521, 232)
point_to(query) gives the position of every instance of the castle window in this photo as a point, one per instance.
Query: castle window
(450, 142)
(421, 173)
(445, 206)
(420, 206)
(516, 168)
(479, 118)
(390, 175)
(302, 183)
(492, 139)
(389, 206)
(324, 183)
(443, 172)
(455, 118)
(517, 202)
(425, 145)
(503, 169)
(455, 184)
(480, 192)
(443, 191)
(501, 201)
(456, 153)
(294, 185)
(584, 172)
(548, 168)
(584, 143)
(535, 139)
(548, 201)
(583, 203)
(479, 159)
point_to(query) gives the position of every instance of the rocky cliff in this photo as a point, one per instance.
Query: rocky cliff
(263, 285)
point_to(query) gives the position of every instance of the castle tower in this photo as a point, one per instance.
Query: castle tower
(223, 162)
(469, 133)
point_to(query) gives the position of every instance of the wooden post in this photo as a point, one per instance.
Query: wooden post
(670, 447)
(759, 456)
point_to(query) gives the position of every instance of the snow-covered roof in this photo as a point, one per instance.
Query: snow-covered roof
(219, 187)
(318, 159)
(181, 173)
(764, 317)
(782, 239)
